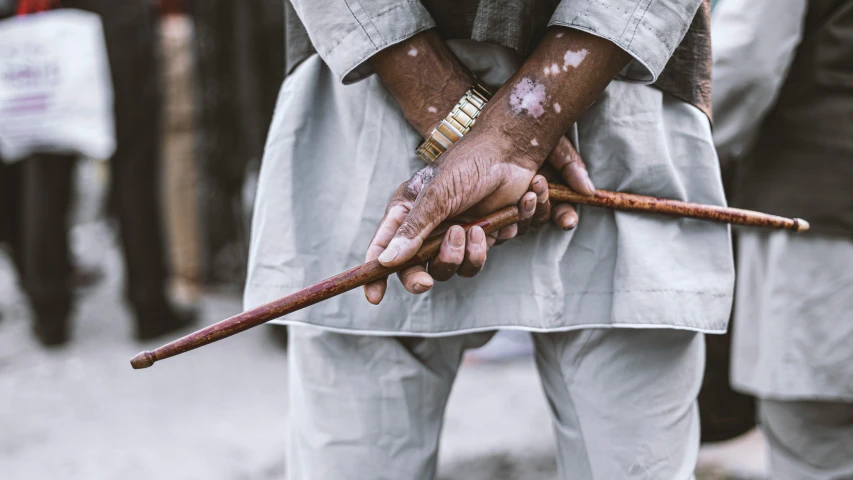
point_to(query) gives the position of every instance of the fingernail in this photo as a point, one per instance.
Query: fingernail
(529, 204)
(368, 295)
(569, 221)
(477, 235)
(457, 237)
(420, 288)
(538, 181)
(389, 254)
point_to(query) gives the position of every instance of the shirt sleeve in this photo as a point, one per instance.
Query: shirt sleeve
(648, 30)
(348, 32)
(754, 42)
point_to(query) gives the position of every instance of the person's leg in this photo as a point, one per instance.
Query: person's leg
(10, 175)
(179, 157)
(131, 45)
(623, 401)
(42, 245)
(367, 407)
(809, 440)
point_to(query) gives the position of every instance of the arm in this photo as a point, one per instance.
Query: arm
(754, 42)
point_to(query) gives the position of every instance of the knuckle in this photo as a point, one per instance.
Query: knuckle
(408, 230)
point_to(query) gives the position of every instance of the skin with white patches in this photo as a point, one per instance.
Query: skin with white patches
(554, 69)
(534, 142)
(421, 179)
(413, 52)
(530, 96)
(557, 107)
(573, 58)
(432, 109)
(559, 35)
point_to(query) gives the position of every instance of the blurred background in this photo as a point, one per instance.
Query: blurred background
(103, 257)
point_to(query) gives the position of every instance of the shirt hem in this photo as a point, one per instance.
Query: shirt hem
(464, 331)
(792, 395)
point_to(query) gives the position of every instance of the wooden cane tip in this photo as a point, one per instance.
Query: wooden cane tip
(802, 225)
(142, 360)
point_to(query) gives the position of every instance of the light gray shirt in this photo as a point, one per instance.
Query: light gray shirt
(337, 152)
(347, 32)
(754, 42)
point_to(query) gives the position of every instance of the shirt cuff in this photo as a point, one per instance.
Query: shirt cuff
(648, 30)
(370, 33)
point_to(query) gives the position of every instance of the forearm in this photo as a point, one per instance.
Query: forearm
(424, 77)
(561, 79)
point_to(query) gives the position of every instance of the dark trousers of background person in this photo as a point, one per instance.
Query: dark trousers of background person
(34, 198)
(43, 190)
(240, 67)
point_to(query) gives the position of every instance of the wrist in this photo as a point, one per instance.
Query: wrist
(430, 106)
(516, 144)
(424, 77)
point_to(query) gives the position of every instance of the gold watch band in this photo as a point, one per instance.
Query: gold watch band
(456, 124)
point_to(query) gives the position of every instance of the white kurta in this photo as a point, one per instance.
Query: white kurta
(793, 327)
(336, 153)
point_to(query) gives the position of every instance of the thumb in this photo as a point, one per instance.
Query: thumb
(430, 209)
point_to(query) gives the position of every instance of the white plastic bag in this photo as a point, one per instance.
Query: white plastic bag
(55, 89)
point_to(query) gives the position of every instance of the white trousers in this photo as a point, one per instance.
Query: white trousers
(809, 440)
(366, 407)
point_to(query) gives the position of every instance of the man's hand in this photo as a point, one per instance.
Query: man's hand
(465, 255)
(493, 165)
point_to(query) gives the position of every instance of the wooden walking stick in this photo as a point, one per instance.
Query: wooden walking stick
(641, 203)
(372, 271)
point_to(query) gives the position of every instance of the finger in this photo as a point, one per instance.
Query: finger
(526, 210)
(507, 233)
(451, 255)
(390, 223)
(430, 209)
(564, 216)
(475, 253)
(374, 291)
(416, 279)
(543, 202)
(491, 239)
(571, 166)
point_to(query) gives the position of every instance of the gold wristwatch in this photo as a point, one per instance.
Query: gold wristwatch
(456, 124)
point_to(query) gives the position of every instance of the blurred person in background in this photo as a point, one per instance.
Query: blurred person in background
(240, 64)
(38, 192)
(180, 138)
(783, 107)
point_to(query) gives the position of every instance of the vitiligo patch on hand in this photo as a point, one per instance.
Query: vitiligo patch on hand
(530, 96)
(534, 142)
(557, 107)
(432, 109)
(413, 52)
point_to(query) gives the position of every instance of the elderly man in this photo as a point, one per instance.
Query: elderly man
(617, 306)
(783, 94)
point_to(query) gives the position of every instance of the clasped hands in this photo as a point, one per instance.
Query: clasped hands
(478, 175)
(499, 162)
